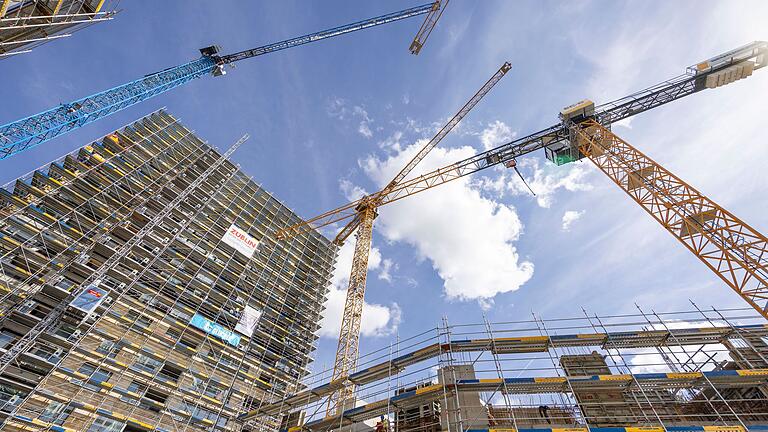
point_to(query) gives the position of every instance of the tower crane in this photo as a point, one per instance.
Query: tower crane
(737, 253)
(363, 214)
(20, 135)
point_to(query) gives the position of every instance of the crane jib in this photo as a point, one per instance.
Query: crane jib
(746, 59)
(559, 134)
(610, 113)
(21, 135)
(325, 34)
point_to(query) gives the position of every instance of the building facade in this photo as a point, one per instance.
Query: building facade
(206, 315)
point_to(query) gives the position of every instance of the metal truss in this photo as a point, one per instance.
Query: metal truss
(733, 250)
(325, 34)
(426, 28)
(349, 336)
(31, 131)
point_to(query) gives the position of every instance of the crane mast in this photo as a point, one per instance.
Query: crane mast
(349, 336)
(20, 135)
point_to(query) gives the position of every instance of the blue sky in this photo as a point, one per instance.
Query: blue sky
(335, 117)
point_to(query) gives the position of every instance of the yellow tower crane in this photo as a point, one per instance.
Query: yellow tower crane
(363, 212)
(736, 252)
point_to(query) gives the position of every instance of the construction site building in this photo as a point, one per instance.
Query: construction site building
(205, 317)
(25, 24)
(692, 371)
(423, 418)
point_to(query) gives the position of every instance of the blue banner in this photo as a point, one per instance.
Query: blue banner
(89, 298)
(214, 329)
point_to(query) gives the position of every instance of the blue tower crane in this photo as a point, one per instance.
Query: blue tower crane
(20, 135)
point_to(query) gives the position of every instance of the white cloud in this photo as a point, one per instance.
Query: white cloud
(351, 191)
(548, 179)
(468, 239)
(485, 303)
(378, 320)
(627, 122)
(569, 217)
(339, 108)
(365, 130)
(364, 127)
(494, 134)
(544, 180)
(387, 266)
(391, 142)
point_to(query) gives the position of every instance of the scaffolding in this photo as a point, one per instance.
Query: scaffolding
(170, 347)
(695, 370)
(26, 24)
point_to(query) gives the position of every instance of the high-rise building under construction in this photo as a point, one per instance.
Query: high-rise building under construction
(141, 288)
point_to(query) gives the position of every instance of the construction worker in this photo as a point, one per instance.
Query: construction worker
(543, 411)
(382, 425)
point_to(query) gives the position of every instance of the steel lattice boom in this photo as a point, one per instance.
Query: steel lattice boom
(325, 34)
(733, 250)
(31, 131)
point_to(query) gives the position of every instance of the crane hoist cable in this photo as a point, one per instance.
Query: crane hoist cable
(512, 163)
(23, 134)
